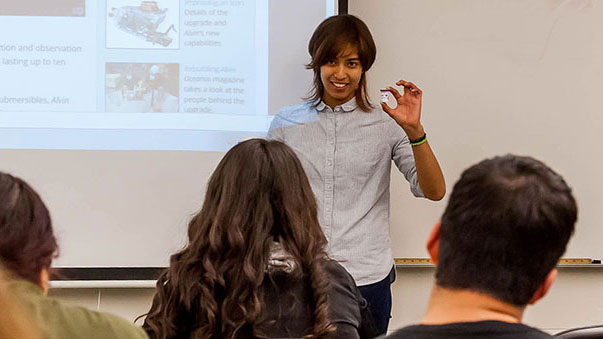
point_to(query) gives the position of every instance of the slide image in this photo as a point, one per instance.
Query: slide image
(43, 8)
(141, 87)
(142, 24)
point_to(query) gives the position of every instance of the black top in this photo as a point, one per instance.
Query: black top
(288, 307)
(480, 329)
(289, 311)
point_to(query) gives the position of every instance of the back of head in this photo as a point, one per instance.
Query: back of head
(258, 194)
(334, 35)
(27, 242)
(507, 223)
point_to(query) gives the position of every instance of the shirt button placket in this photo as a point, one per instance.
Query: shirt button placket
(329, 177)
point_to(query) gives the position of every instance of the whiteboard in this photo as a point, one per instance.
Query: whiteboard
(499, 76)
(130, 208)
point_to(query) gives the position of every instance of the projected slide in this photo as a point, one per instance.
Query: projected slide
(131, 74)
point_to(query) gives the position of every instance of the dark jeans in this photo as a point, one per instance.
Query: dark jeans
(379, 298)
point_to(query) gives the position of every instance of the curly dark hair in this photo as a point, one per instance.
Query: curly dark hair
(258, 194)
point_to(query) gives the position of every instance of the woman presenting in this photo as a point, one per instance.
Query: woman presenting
(347, 146)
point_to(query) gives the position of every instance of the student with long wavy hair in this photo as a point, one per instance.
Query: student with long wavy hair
(27, 248)
(255, 263)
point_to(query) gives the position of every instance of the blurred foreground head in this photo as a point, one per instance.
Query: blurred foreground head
(27, 242)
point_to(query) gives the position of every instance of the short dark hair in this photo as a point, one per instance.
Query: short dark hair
(27, 242)
(330, 38)
(507, 223)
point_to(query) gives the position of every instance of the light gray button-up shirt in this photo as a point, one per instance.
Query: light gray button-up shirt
(347, 156)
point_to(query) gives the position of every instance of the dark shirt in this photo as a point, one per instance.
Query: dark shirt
(288, 310)
(480, 329)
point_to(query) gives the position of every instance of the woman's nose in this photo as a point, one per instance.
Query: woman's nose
(340, 72)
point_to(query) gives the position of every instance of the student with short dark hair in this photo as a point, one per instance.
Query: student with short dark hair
(347, 146)
(27, 247)
(255, 264)
(507, 223)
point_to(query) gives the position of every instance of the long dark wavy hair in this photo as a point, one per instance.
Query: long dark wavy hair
(258, 194)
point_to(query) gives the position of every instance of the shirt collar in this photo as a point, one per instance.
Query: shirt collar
(348, 106)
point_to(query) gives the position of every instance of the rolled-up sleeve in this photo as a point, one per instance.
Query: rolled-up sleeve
(404, 159)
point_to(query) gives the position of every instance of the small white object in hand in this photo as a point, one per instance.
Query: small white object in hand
(385, 95)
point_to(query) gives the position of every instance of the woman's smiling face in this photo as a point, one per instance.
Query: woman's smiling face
(341, 76)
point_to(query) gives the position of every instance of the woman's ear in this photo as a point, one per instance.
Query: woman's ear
(433, 243)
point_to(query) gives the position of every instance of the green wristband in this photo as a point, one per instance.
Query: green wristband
(419, 141)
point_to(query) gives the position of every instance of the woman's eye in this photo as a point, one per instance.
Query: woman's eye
(352, 64)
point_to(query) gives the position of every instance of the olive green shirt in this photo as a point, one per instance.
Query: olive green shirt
(59, 321)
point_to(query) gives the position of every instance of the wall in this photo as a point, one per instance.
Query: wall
(498, 77)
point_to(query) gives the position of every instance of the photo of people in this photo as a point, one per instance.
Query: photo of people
(142, 24)
(43, 8)
(141, 87)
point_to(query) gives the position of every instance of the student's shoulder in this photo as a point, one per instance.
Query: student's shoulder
(346, 303)
(336, 270)
(479, 329)
(342, 283)
(407, 332)
(73, 320)
(59, 320)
